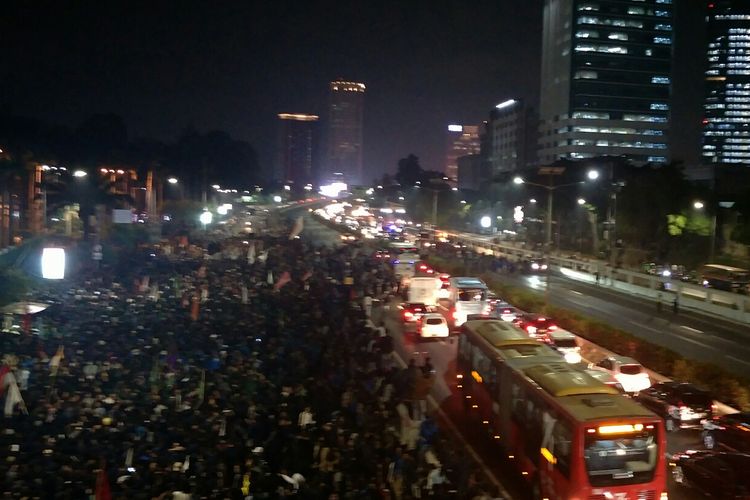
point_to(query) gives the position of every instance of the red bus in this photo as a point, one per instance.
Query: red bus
(570, 435)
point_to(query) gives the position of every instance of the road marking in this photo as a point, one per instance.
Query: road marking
(691, 329)
(692, 341)
(736, 359)
(647, 327)
(576, 292)
(431, 401)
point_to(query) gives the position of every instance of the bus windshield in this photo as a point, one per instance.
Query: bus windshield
(472, 294)
(621, 458)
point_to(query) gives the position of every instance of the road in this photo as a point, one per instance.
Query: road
(692, 335)
(442, 355)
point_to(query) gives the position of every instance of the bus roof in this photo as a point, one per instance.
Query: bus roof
(600, 406)
(500, 333)
(560, 379)
(468, 282)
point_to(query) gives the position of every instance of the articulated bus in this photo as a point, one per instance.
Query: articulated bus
(570, 435)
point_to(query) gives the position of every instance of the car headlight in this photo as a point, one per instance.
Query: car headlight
(534, 266)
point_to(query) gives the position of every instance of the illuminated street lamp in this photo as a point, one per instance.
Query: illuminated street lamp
(592, 175)
(485, 222)
(518, 180)
(581, 201)
(80, 174)
(287, 187)
(216, 187)
(698, 205)
(532, 200)
(277, 199)
(172, 180)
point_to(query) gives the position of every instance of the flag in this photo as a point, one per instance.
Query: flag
(299, 224)
(4, 380)
(202, 388)
(54, 363)
(283, 280)
(13, 398)
(102, 484)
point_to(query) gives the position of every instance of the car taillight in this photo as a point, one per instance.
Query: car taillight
(552, 327)
(454, 315)
(506, 311)
(531, 330)
(408, 315)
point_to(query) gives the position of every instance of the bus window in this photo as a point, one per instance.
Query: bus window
(621, 458)
(561, 443)
(472, 295)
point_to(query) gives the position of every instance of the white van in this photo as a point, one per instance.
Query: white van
(404, 266)
(424, 289)
(467, 296)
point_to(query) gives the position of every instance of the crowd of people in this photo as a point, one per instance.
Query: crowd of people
(191, 378)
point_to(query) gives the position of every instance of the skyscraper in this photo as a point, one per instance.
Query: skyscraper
(512, 131)
(345, 115)
(462, 140)
(606, 79)
(726, 122)
(295, 148)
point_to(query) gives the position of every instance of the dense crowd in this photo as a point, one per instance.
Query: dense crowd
(187, 378)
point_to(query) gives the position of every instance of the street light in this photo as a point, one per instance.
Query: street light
(592, 175)
(699, 205)
(80, 173)
(206, 217)
(277, 199)
(532, 200)
(550, 195)
(581, 201)
(485, 222)
(172, 180)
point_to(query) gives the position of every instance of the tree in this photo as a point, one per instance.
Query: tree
(409, 171)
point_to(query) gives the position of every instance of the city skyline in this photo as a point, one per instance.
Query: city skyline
(194, 76)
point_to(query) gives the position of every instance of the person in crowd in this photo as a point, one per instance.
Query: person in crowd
(187, 385)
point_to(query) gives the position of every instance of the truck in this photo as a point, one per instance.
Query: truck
(424, 289)
(404, 266)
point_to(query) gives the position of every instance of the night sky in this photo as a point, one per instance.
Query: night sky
(234, 65)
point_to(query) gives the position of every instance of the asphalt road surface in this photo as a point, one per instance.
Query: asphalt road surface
(693, 335)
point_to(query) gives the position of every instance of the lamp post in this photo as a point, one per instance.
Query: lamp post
(551, 188)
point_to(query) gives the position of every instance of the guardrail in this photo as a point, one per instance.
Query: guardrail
(727, 305)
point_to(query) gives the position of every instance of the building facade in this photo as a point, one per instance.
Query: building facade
(512, 134)
(344, 134)
(296, 148)
(726, 122)
(470, 172)
(462, 140)
(606, 79)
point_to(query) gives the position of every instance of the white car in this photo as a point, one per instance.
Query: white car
(566, 344)
(629, 372)
(433, 325)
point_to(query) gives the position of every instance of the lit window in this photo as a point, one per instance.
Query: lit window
(662, 39)
(664, 1)
(663, 27)
(586, 75)
(617, 36)
(658, 106)
(648, 52)
(590, 115)
(588, 6)
(587, 34)
(585, 48)
(657, 159)
(660, 79)
(636, 10)
(664, 13)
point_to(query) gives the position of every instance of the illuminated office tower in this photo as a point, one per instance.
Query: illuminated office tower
(462, 140)
(295, 148)
(606, 79)
(726, 121)
(345, 116)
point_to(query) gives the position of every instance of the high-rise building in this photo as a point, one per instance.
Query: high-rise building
(726, 122)
(462, 140)
(345, 116)
(296, 148)
(606, 79)
(512, 135)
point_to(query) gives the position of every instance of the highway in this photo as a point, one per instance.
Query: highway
(693, 335)
(442, 354)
